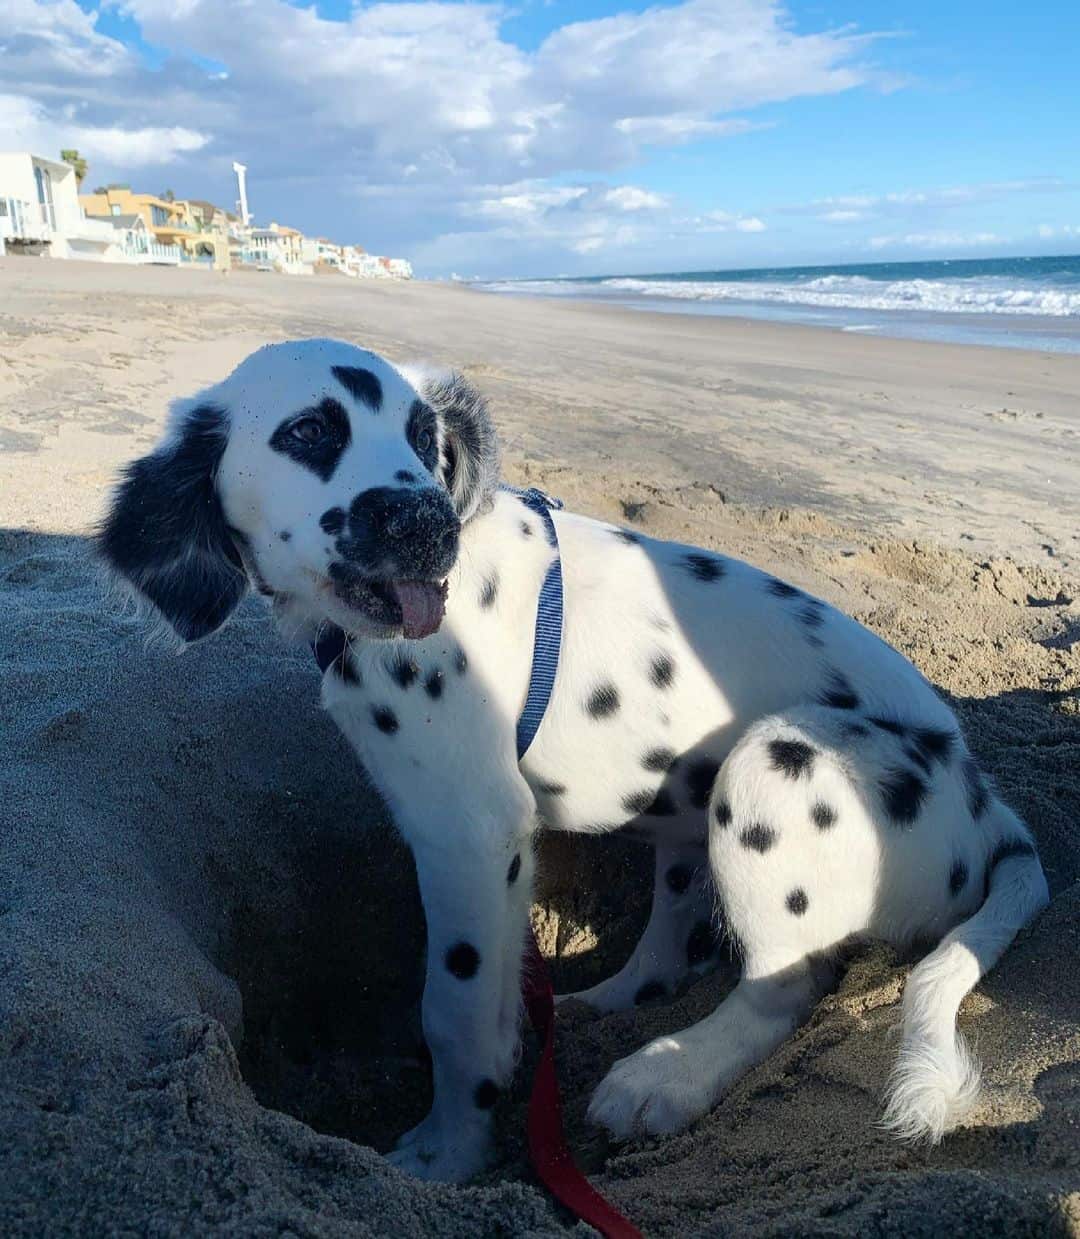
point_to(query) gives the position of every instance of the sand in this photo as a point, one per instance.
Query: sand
(210, 940)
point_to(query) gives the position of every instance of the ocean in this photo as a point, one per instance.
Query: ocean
(1029, 303)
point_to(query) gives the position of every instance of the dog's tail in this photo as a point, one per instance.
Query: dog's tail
(936, 1080)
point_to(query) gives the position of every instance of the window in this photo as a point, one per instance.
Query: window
(114, 209)
(159, 215)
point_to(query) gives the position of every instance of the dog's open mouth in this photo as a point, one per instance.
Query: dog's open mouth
(416, 607)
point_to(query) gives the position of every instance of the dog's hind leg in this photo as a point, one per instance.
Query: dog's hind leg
(676, 1079)
(794, 860)
(678, 940)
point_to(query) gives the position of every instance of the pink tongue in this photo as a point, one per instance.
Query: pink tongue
(422, 606)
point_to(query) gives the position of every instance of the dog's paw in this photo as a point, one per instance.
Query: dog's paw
(655, 1092)
(443, 1153)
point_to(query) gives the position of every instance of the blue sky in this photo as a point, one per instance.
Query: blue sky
(577, 136)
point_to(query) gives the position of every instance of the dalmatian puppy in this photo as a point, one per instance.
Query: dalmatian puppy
(790, 768)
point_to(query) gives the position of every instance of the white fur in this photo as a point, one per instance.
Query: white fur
(713, 672)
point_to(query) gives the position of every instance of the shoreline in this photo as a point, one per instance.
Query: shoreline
(1060, 335)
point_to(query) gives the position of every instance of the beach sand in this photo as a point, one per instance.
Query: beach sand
(210, 940)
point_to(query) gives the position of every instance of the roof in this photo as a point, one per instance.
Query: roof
(54, 165)
(119, 221)
(154, 200)
(205, 206)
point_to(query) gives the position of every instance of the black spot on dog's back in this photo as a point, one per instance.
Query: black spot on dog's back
(603, 701)
(705, 567)
(823, 815)
(660, 760)
(839, 695)
(662, 671)
(758, 837)
(903, 793)
(781, 589)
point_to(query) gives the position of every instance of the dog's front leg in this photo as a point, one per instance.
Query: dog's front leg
(440, 746)
(475, 887)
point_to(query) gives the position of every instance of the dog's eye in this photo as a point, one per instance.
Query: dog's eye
(424, 441)
(308, 430)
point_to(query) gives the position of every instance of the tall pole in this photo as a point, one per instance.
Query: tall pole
(241, 170)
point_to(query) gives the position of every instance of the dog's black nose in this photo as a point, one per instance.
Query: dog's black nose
(402, 532)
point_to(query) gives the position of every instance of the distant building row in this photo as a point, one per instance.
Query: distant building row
(41, 211)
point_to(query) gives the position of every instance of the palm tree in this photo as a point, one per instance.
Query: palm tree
(77, 162)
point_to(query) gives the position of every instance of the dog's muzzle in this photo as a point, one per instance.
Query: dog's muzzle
(395, 553)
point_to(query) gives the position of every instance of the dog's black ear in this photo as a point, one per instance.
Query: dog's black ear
(470, 449)
(165, 531)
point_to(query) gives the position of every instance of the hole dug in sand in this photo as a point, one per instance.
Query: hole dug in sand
(328, 956)
(327, 949)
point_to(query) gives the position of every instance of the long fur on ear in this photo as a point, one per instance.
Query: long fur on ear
(469, 457)
(165, 531)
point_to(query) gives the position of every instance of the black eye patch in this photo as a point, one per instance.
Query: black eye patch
(298, 437)
(360, 384)
(422, 432)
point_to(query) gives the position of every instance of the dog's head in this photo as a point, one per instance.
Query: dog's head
(321, 474)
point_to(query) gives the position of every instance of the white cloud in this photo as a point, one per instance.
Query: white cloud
(630, 198)
(852, 207)
(1048, 232)
(935, 240)
(28, 126)
(724, 221)
(671, 130)
(407, 108)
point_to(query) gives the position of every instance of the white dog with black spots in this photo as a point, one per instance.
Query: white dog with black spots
(797, 776)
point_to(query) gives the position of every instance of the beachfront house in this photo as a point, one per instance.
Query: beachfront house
(40, 212)
(165, 222)
(377, 267)
(277, 248)
(324, 252)
(130, 235)
(206, 235)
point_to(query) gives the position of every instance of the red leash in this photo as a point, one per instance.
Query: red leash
(550, 1157)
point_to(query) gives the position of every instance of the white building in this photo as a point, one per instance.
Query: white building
(372, 266)
(135, 243)
(318, 251)
(40, 212)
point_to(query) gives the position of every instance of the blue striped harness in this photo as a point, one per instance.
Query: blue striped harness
(331, 642)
